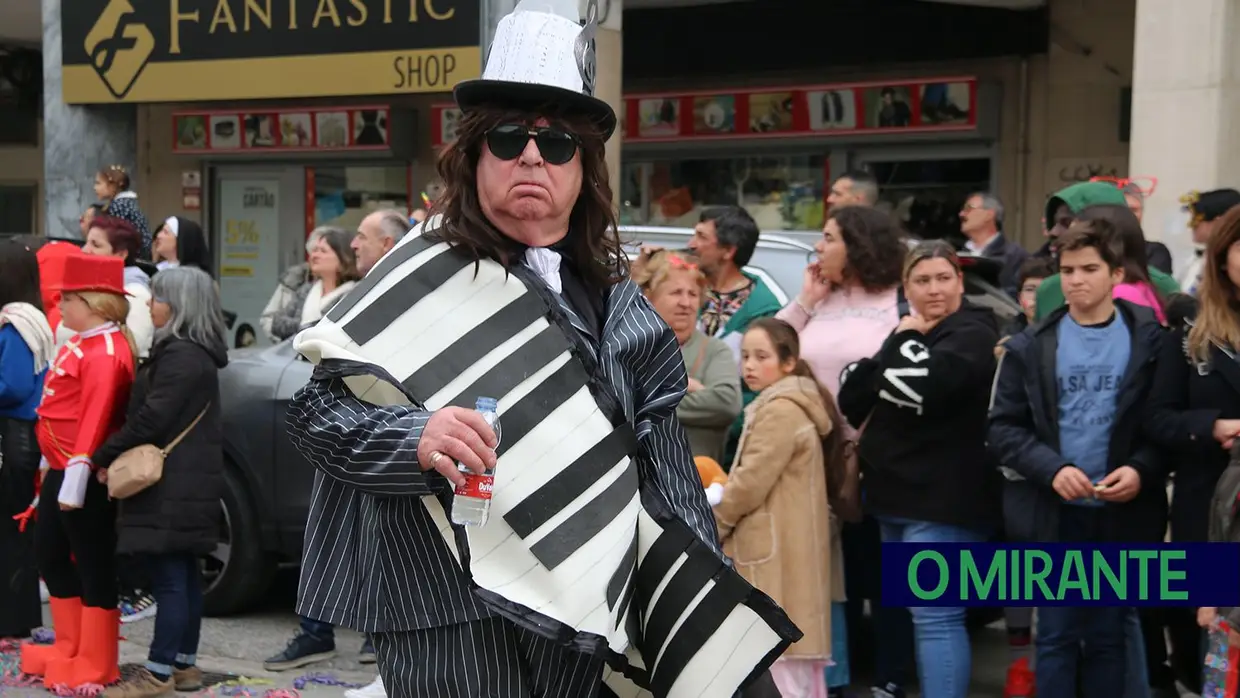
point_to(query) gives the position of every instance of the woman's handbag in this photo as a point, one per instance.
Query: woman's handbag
(143, 466)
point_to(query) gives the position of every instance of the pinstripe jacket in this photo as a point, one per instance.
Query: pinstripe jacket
(374, 560)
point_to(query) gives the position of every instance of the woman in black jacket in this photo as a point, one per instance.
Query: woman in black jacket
(923, 401)
(1195, 413)
(169, 524)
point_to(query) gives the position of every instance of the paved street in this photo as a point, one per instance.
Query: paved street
(238, 645)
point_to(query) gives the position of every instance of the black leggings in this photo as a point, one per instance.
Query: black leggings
(76, 549)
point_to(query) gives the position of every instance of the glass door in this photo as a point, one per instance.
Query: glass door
(258, 227)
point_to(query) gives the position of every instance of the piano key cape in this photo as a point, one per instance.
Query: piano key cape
(578, 548)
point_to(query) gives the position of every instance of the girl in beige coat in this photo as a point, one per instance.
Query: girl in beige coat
(774, 520)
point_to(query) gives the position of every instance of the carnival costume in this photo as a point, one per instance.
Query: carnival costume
(84, 402)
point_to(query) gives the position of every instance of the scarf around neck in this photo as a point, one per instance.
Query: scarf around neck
(32, 325)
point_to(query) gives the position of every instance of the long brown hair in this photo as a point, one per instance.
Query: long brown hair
(788, 346)
(1218, 318)
(593, 240)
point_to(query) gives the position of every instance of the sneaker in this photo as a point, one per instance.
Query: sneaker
(302, 650)
(187, 679)
(887, 690)
(373, 690)
(367, 655)
(44, 596)
(141, 684)
(1020, 681)
(139, 607)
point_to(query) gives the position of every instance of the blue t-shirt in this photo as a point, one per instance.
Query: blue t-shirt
(1089, 366)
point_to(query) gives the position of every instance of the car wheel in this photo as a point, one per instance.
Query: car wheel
(237, 572)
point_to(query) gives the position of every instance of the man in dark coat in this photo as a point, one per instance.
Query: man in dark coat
(981, 221)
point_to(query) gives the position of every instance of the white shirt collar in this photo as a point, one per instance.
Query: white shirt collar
(546, 263)
(978, 249)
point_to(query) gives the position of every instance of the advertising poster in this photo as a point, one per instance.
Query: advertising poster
(713, 115)
(249, 253)
(770, 112)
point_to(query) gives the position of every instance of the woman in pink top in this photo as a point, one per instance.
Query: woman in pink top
(846, 309)
(847, 304)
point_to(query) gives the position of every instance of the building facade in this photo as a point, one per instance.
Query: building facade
(265, 118)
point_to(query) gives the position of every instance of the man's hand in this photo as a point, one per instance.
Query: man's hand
(1071, 483)
(457, 434)
(1120, 485)
(695, 385)
(102, 476)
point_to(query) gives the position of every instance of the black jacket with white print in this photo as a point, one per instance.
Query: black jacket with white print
(923, 452)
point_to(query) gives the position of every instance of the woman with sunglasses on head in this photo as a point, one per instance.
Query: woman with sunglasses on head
(1195, 413)
(517, 289)
(333, 266)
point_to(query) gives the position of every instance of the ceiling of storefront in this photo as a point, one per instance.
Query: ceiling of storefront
(21, 21)
(998, 4)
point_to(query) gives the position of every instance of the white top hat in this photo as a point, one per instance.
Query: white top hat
(542, 56)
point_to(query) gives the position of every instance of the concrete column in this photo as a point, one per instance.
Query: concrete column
(78, 141)
(609, 50)
(1186, 94)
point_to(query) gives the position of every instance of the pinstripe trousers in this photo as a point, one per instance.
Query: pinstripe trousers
(488, 658)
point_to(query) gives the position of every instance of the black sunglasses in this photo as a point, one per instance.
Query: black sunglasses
(508, 141)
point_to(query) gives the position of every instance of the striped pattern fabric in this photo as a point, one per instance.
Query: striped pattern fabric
(599, 537)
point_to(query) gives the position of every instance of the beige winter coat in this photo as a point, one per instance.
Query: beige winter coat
(774, 519)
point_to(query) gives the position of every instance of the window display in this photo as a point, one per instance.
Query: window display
(927, 195)
(343, 196)
(781, 193)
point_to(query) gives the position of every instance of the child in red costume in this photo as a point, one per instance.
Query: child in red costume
(84, 402)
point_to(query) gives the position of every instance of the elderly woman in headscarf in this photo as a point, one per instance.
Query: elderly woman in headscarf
(518, 290)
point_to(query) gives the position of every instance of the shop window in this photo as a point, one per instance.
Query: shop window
(17, 204)
(343, 196)
(19, 120)
(928, 194)
(781, 193)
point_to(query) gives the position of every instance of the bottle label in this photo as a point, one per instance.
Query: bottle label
(476, 486)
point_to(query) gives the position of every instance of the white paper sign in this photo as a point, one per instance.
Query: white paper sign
(249, 253)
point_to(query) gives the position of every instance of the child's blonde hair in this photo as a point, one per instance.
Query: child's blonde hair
(113, 308)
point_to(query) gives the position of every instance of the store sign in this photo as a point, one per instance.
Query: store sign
(936, 105)
(199, 50)
(298, 130)
(249, 252)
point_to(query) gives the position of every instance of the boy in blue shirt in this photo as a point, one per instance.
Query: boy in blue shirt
(1065, 425)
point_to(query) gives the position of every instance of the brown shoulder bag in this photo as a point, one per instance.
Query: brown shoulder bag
(845, 492)
(143, 466)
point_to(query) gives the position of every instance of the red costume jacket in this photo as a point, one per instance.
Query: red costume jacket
(84, 396)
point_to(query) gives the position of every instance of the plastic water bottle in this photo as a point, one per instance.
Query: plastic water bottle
(472, 504)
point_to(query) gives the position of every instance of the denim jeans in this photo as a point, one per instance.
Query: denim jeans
(1137, 679)
(176, 584)
(318, 629)
(944, 657)
(1084, 646)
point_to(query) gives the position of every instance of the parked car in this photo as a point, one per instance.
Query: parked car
(268, 483)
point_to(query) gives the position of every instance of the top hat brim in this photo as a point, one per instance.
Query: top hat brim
(473, 94)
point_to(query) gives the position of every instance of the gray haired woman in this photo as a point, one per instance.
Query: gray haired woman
(175, 396)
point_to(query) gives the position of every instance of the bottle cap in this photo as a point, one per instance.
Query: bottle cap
(486, 404)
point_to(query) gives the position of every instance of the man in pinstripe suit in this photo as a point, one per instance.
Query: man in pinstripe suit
(526, 187)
